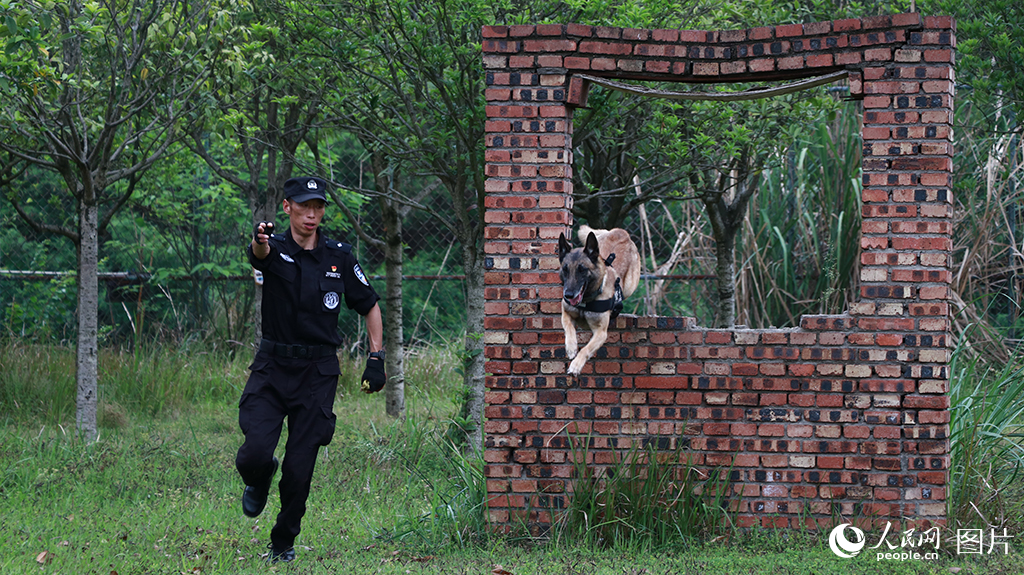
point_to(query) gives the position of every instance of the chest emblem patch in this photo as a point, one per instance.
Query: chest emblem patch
(331, 300)
(359, 275)
(287, 258)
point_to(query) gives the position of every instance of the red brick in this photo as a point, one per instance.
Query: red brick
(819, 60)
(579, 30)
(592, 47)
(576, 63)
(846, 25)
(549, 45)
(789, 30)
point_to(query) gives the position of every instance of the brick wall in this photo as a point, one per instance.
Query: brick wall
(847, 411)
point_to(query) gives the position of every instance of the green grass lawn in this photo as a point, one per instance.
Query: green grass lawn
(161, 496)
(158, 493)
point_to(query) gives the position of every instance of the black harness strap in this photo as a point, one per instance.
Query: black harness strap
(613, 303)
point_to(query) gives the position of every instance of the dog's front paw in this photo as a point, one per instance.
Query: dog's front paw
(577, 365)
(570, 350)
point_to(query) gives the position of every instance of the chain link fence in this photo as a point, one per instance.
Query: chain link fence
(173, 266)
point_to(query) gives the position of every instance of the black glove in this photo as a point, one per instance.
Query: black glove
(268, 229)
(374, 377)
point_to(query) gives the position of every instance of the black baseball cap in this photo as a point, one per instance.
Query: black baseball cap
(303, 189)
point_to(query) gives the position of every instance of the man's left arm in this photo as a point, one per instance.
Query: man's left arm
(374, 377)
(375, 329)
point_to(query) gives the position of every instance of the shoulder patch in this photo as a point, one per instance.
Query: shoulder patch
(359, 275)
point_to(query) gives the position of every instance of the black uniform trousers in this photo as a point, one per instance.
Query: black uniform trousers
(303, 391)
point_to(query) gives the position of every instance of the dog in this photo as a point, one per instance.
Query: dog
(595, 280)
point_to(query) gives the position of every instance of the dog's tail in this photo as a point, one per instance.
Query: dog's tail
(585, 231)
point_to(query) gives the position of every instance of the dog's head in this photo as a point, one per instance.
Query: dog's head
(582, 269)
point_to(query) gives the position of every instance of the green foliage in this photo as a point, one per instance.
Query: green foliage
(990, 48)
(986, 450)
(647, 496)
(450, 508)
(803, 249)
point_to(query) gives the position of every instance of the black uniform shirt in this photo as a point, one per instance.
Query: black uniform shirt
(302, 290)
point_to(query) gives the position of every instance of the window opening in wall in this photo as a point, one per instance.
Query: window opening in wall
(775, 169)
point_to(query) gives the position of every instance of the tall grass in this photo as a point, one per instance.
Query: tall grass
(646, 497)
(986, 427)
(38, 381)
(449, 494)
(801, 246)
(988, 262)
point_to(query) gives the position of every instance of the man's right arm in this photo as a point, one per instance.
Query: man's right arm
(260, 245)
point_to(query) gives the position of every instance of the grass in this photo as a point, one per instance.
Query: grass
(984, 431)
(159, 494)
(647, 497)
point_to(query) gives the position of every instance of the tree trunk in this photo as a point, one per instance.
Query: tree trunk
(726, 209)
(262, 212)
(393, 339)
(725, 251)
(88, 301)
(473, 363)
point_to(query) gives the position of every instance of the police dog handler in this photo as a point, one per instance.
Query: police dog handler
(295, 373)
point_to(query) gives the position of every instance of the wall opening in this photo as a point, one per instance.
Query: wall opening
(650, 170)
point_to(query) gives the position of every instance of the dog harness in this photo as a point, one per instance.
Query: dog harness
(613, 303)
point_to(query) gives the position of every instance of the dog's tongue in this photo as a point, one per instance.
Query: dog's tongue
(576, 299)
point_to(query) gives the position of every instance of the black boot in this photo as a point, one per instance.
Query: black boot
(254, 498)
(280, 556)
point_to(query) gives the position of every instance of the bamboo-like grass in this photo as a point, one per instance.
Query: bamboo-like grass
(985, 431)
(801, 247)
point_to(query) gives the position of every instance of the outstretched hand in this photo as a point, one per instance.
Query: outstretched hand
(262, 231)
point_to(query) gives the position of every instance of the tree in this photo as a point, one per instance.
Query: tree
(262, 103)
(990, 48)
(413, 88)
(94, 92)
(394, 212)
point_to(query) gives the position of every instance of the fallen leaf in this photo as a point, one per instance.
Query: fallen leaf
(368, 547)
(499, 570)
(955, 569)
(64, 544)
(44, 557)
(423, 559)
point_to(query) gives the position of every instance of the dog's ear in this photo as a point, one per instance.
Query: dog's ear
(591, 249)
(564, 247)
